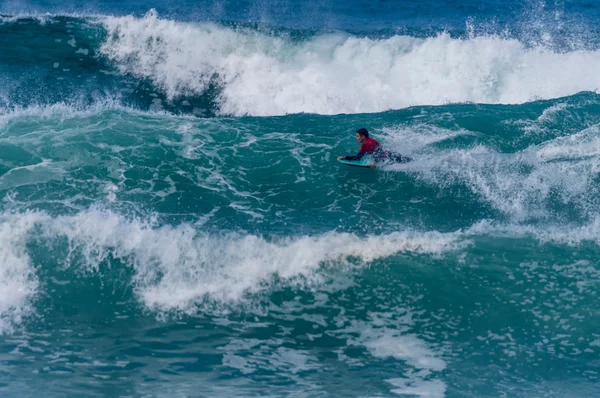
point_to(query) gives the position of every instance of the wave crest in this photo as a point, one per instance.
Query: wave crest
(260, 74)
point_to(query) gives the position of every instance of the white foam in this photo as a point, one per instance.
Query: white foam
(41, 19)
(385, 343)
(423, 363)
(419, 388)
(179, 267)
(66, 111)
(585, 144)
(18, 283)
(337, 73)
(524, 185)
(411, 138)
(60, 109)
(562, 234)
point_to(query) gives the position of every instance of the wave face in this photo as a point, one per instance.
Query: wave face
(263, 75)
(213, 69)
(173, 221)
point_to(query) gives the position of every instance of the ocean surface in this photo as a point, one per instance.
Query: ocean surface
(173, 221)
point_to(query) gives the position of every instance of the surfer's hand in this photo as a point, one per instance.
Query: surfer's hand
(341, 157)
(373, 165)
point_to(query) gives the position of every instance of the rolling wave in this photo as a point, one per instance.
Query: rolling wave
(337, 73)
(183, 269)
(213, 69)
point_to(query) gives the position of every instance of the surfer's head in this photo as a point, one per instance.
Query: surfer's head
(361, 135)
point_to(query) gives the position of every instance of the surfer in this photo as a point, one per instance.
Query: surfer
(370, 146)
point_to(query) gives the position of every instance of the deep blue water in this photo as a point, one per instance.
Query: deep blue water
(173, 221)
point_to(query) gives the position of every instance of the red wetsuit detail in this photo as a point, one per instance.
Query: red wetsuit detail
(368, 146)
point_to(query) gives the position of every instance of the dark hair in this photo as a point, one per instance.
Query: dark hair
(363, 132)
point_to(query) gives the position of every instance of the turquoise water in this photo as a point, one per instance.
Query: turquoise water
(173, 220)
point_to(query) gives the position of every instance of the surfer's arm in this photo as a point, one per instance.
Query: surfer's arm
(358, 156)
(362, 152)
